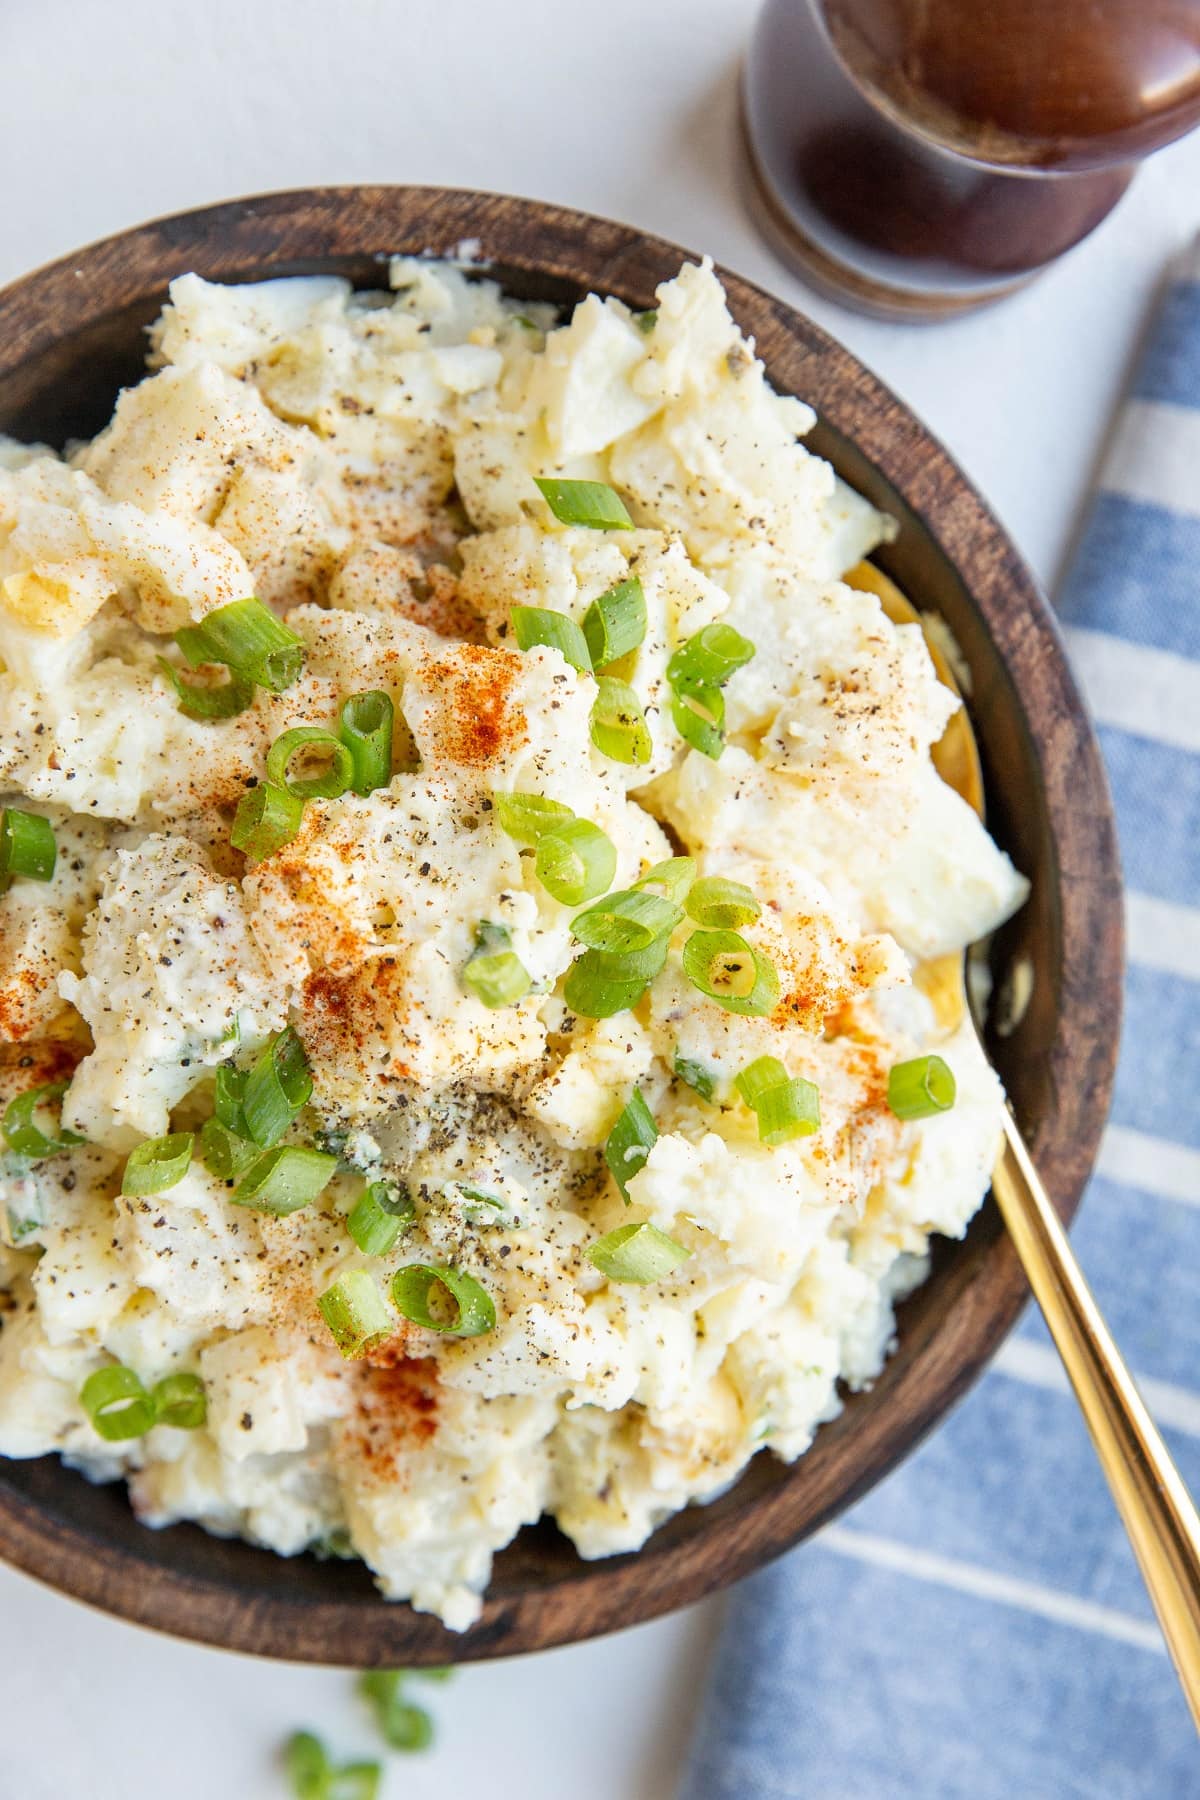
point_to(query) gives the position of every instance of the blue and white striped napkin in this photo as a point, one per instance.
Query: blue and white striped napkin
(977, 1629)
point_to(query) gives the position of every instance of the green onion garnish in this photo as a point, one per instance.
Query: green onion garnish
(495, 974)
(672, 878)
(699, 718)
(157, 1164)
(284, 1180)
(307, 1766)
(24, 1135)
(402, 1724)
(615, 623)
(731, 972)
(356, 1313)
(117, 1404)
(786, 1107)
(209, 700)
(229, 1091)
(382, 1212)
(575, 861)
(278, 1084)
(591, 503)
(722, 905)
(920, 1088)
(527, 817)
(646, 321)
(618, 724)
(180, 1401)
(27, 846)
(367, 722)
(599, 984)
(636, 1253)
(464, 1308)
(312, 1776)
(534, 625)
(625, 921)
(223, 1152)
(330, 785)
(250, 640)
(758, 1077)
(694, 1075)
(267, 818)
(709, 658)
(630, 1142)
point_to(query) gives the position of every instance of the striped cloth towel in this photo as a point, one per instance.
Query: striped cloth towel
(976, 1629)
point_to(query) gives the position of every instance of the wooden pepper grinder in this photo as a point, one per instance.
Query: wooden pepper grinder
(916, 158)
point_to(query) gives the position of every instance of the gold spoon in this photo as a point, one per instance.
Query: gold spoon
(1155, 1506)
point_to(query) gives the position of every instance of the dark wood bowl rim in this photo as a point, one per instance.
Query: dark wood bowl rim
(557, 247)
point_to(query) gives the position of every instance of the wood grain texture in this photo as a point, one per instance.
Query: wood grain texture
(70, 335)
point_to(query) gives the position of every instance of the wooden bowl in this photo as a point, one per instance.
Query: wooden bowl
(70, 337)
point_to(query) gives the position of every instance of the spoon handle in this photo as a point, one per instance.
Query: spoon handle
(1155, 1506)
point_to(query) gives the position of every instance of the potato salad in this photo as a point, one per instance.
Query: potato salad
(471, 873)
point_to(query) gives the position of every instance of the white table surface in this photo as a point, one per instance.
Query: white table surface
(112, 114)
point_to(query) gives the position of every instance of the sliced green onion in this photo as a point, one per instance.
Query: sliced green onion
(464, 1308)
(722, 905)
(117, 1404)
(527, 817)
(920, 1088)
(308, 738)
(356, 1313)
(267, 818)
(24, 1135)
(636, 1253)
(787, 1108)
(250, 640)
(618, 724)
(694, 1075)
(366, 723)
(476, 1195)
(223, 1152)
(591, 503)
(278, 1084)
(18, 1228)
(489, 937)
(630, 1142)
(214, 700)
(575, 861)
(625, 921)
(380, 1215)
(312, 1776)
(27, 846)
(599, 985)
(402, 1724)
(229, 1091)
(646, 321)
(480, 1204)
(758, 1077)
(495, 974)
(284, 1180)
(355, 1781)
(158, 1164)
(699, 718)
(615, 623)
(731, 972)
(180, 1401)
(307, 1766)
(672, 878)
(534, 625)
(709, 658)
(790, 1111)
